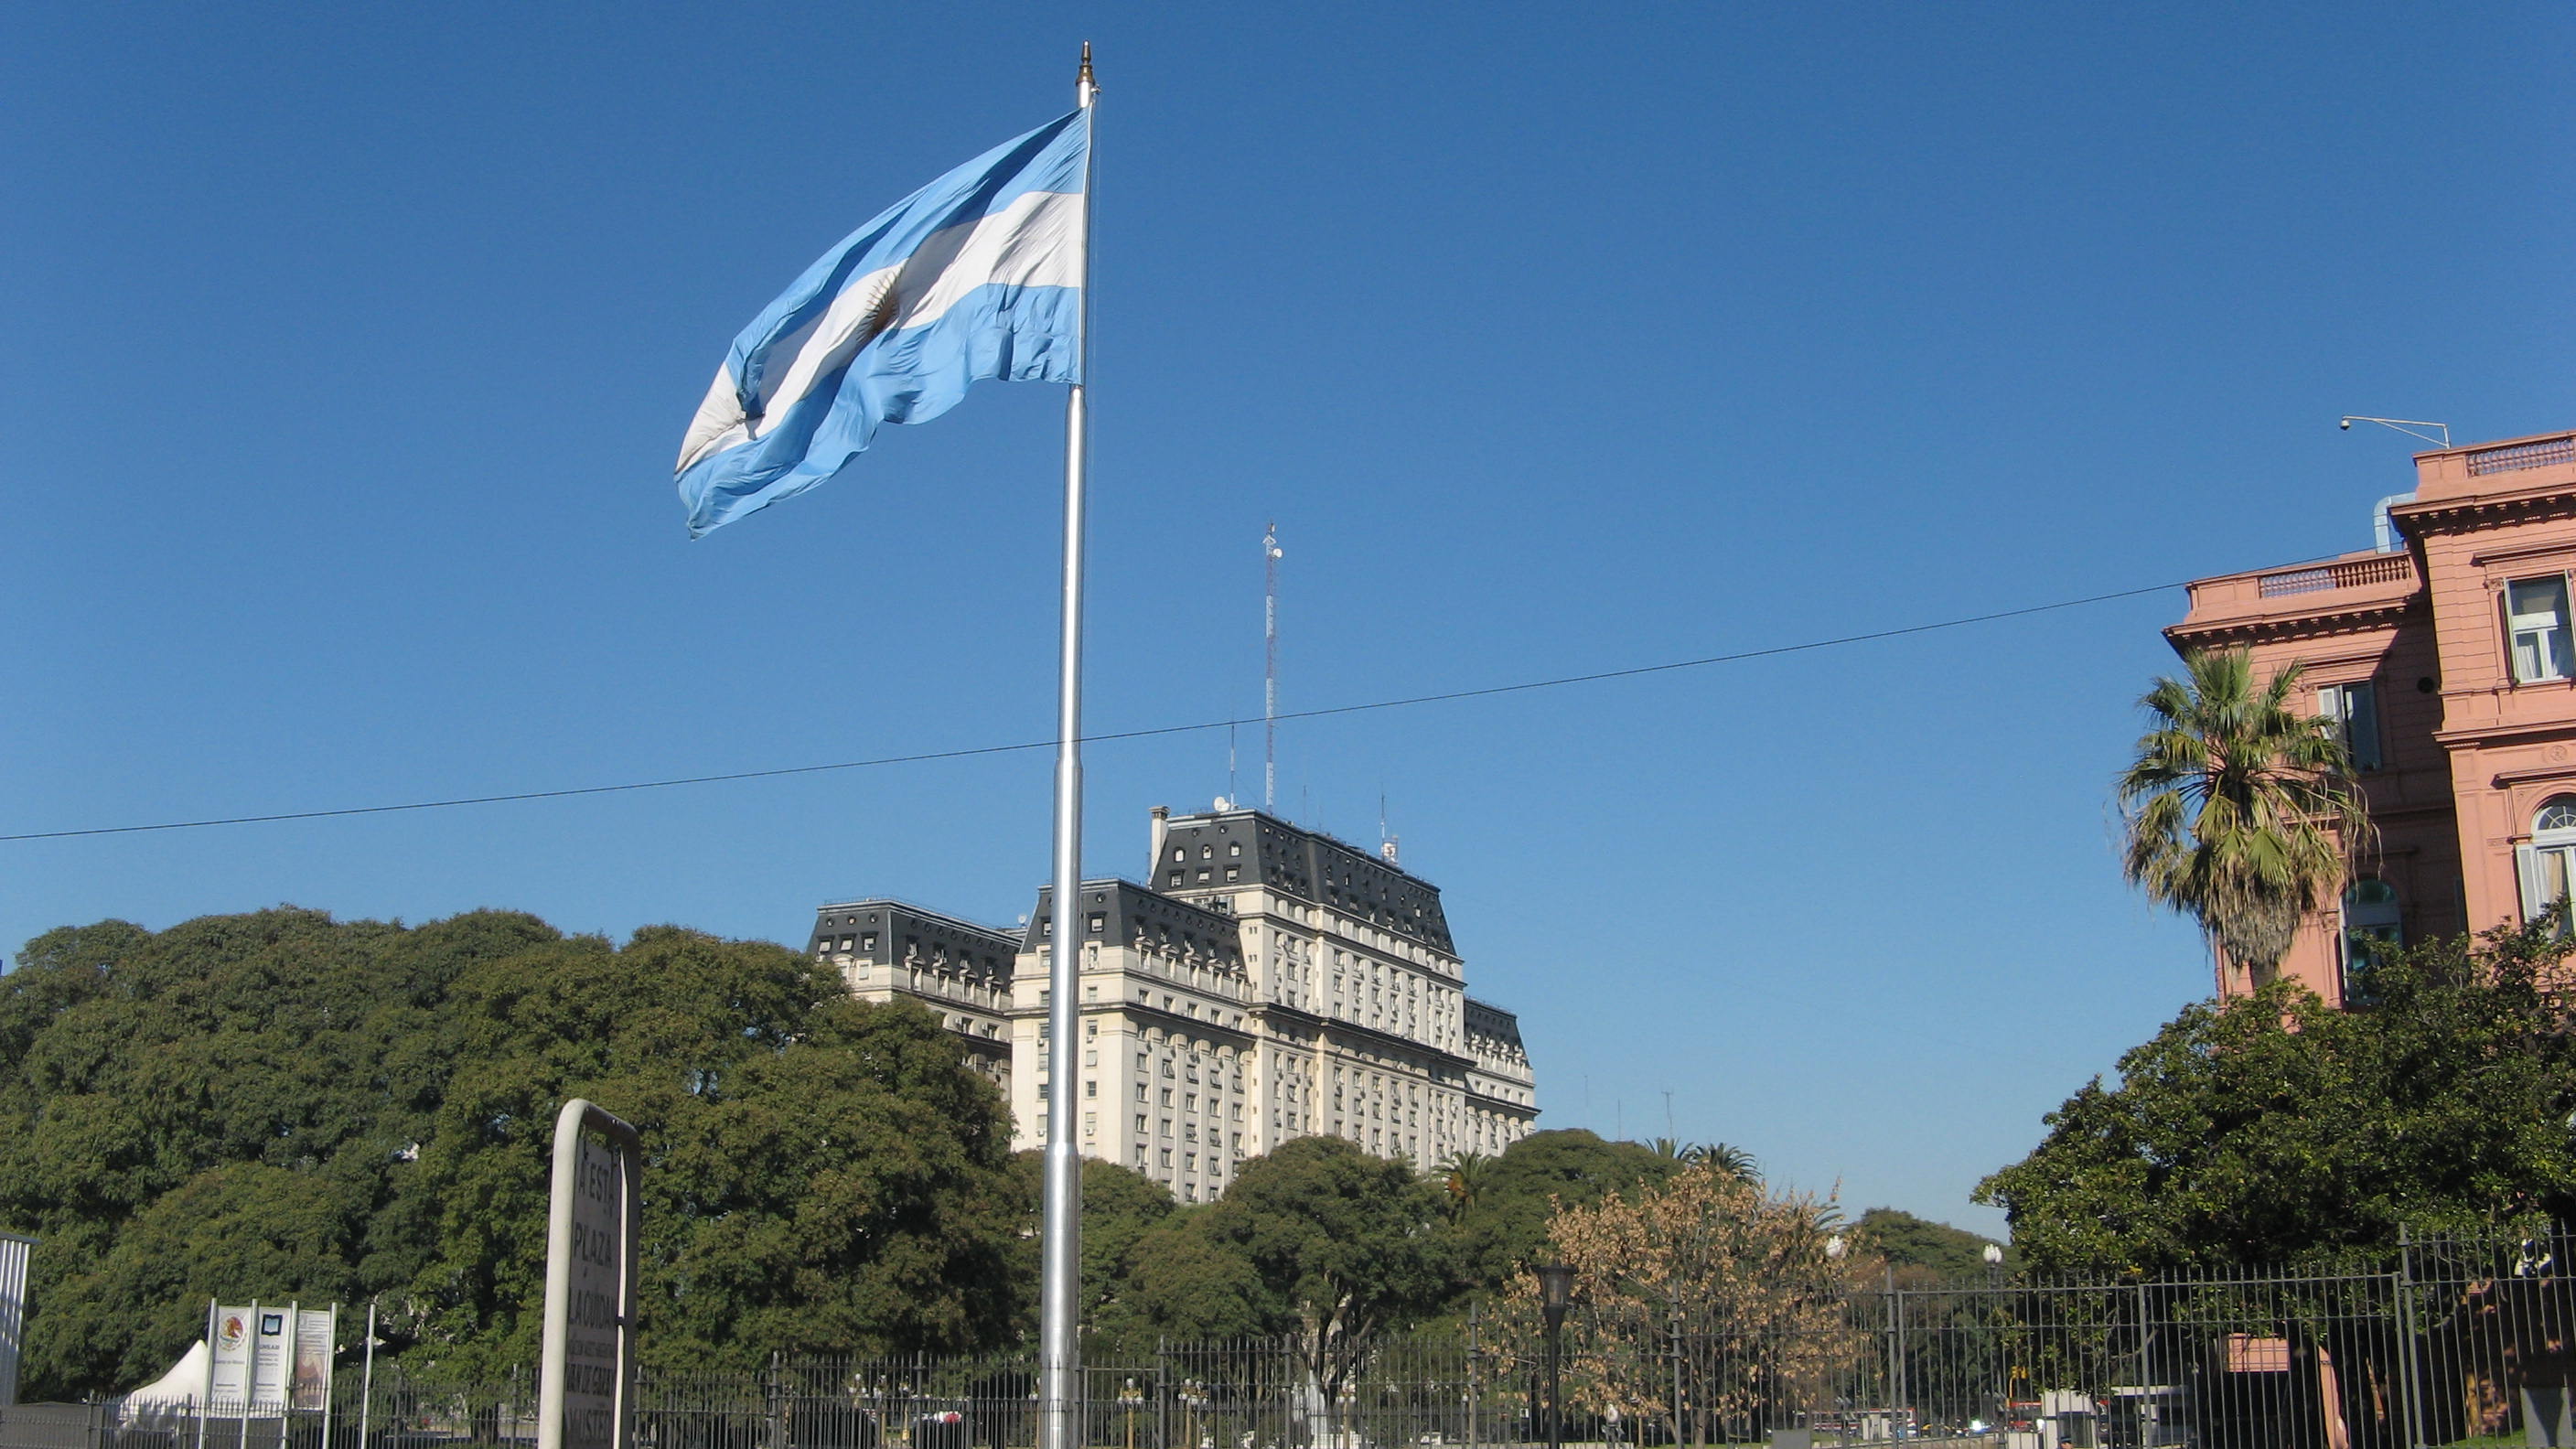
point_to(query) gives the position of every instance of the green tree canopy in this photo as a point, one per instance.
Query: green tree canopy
(1517, 1191)
(279, 1105)
(1317, 1241)
(2274, 1126)
(1942, 1252)
(1120, 1207)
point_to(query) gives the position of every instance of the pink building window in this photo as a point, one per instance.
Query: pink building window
(2536, 615)
(2548, 864)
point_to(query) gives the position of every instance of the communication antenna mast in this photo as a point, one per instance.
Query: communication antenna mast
(1270, 667)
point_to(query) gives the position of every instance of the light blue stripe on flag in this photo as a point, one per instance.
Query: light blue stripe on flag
(976, 275)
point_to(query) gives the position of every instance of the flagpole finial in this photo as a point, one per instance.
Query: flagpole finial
(1082, 82)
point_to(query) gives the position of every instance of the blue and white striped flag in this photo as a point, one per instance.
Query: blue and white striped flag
(979, 274)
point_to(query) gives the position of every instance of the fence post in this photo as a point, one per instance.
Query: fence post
(770, 1394)
(2146, 1371)
(1475, 1434)
(1895, 1346)
(1162, 1399)
(1676, 1332)
(2410, 1391)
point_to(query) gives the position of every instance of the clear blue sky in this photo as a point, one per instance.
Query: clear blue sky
(344, 352)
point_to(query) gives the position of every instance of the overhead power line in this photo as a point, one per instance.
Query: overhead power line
(1521, 687)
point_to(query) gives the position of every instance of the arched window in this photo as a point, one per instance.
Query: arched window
(2547, 865)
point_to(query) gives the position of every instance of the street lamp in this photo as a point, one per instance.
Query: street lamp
(1555, 1291)
(1994, 1256)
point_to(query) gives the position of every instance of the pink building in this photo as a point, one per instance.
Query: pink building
(2448, 653)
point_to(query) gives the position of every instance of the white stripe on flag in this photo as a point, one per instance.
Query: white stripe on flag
(1036, 241)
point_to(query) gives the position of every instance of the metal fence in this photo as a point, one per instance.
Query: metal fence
(2444, 1342)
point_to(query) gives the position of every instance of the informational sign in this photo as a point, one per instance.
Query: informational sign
(272, 1349)
(266, 1358)
(310, 1380)
(228, 1374)
(588, 1369)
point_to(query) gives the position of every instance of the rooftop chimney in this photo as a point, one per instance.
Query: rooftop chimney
(1154, 857)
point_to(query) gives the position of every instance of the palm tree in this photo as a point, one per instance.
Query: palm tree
(2240, 810)
(1729, 1160)
(1464, 1178)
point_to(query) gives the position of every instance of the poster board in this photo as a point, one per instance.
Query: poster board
(272, 1350)
(267, 1358)
(586, 1378)
(309, 1352)
(229, 1330)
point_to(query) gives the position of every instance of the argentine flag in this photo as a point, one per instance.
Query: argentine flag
(979, 274)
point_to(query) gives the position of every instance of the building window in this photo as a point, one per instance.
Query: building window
(1091, 1089)
(2354, 708)
(2548, 864)
(2370, 913)
(2536, 616)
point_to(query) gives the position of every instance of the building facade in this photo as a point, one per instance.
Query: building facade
(2446, 654)
(1264, 982)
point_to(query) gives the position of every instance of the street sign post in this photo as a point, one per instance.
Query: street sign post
(586, 1378)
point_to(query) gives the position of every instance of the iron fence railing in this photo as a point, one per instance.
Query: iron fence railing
(2436, 1342)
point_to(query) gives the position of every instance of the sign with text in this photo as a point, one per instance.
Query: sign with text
(589, 1357)
(228, 1373)
(268, 1357)
(310, 1375)
(271, 1343)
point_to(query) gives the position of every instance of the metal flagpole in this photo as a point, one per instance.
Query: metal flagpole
(1060, 1282)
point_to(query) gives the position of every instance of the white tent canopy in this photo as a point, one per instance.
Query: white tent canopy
(176, 1391)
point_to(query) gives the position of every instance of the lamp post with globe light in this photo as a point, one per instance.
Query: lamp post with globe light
(1555, 1291)
(1994, 1256)
(1837, 1248)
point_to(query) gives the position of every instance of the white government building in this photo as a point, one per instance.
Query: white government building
(1266, 982)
